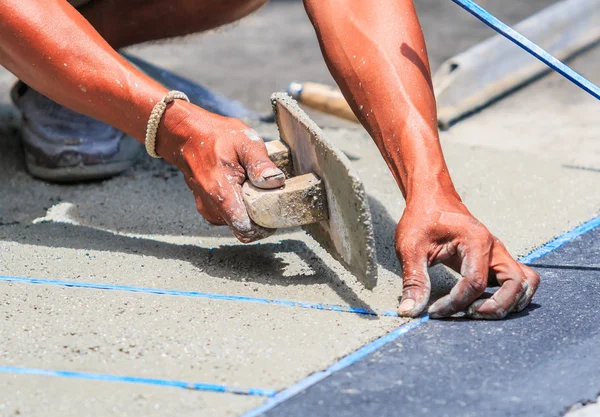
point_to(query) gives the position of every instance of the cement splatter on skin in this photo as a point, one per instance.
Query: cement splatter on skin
(348, 28)
(252, 134)
(399, 89)
(216, 164)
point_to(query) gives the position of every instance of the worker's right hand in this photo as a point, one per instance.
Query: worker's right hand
(216, 155)
(436, 229)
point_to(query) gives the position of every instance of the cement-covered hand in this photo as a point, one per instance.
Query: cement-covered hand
(442, 230)
(216, 154)
(85, 73)
(378, 57)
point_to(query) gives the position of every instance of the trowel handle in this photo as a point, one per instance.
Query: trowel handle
(279, 153)
(323, 98)
(302, 200)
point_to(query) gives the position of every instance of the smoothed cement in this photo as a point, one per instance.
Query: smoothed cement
(145, 335)
(141, 229)
(40, 396)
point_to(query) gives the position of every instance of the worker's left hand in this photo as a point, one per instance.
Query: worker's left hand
(217, 155)
(434, 230)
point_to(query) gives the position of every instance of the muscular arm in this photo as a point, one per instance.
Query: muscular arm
(52, 47)
(377, 55)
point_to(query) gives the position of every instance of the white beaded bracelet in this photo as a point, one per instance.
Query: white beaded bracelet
(154, 120)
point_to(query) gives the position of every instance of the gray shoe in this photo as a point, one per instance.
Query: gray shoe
(63, 146)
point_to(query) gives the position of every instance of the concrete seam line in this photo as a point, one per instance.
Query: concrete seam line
(341, 364)
(561, 240)
(402, 330)
(195, 386)
(196, 294)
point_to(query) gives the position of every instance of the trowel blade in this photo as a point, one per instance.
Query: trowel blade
(348, 233)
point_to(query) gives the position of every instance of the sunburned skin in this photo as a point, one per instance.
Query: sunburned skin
(71, 63)
(377, 55)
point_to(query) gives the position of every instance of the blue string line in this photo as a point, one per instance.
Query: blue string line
(521, 41)
(275, 397)
(561, 240)
(197, 386)
(338, 366)
(196, 294)
(306, 383)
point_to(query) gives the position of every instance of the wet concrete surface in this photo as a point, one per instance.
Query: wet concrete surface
(511, 164)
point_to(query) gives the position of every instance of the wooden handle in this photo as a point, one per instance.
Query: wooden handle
(279, 153)
(302, 200)
(323, 98)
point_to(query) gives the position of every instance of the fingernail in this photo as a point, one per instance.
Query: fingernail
(433, 311)
(271, 174)
(406, 306)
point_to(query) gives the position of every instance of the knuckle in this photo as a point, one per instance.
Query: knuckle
(406, 246)
(483, 238)
(535, 281)
(414, 281)
(476, 284)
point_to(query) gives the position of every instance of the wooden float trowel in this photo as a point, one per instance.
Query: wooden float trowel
(322, 193)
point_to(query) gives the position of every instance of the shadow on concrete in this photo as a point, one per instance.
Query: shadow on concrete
(152, 199)
(384, 227)
(259, 263)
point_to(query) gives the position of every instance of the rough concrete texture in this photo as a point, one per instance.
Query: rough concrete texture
(236, 344)
(37, 396)
(513, 164)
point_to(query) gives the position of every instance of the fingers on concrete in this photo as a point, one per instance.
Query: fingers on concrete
(532, 279)
(474, 269)
(513, 287)
(416, 286)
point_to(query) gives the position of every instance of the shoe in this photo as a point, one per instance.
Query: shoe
(64, 146)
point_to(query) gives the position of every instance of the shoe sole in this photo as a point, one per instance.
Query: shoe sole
(77, 173)
(128, 155)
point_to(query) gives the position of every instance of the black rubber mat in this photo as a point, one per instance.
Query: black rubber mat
(536, 363)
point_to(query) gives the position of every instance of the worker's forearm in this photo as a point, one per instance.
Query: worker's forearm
(378, 58)
(52, 48)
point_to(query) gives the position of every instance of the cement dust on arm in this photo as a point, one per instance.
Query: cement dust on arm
(51, 47)
(377, 55)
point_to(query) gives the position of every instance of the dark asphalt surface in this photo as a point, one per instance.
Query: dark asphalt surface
(537, 363)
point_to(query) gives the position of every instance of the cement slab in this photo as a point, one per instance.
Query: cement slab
(39, 396)
(539, 362)
(142, 229)
(145, 335)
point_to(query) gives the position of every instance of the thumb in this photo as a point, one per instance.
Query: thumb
(253, 155)
(416, 286)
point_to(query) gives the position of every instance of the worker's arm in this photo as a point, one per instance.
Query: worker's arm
(376, 53)
(53, 49)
